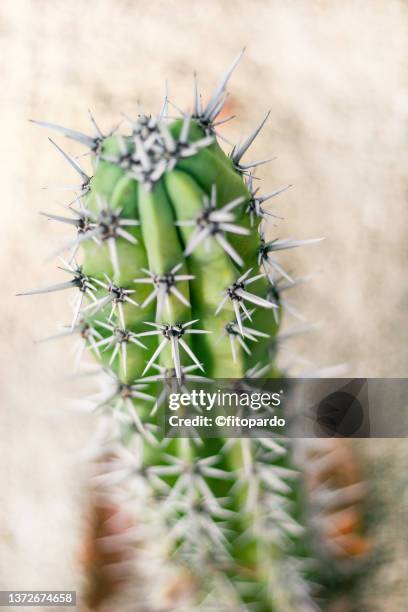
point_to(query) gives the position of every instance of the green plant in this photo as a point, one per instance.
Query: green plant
(179, 280)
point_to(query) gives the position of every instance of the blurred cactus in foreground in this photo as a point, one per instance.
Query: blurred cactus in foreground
(176, 278)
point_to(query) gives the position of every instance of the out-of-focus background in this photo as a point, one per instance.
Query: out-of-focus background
(335, 76)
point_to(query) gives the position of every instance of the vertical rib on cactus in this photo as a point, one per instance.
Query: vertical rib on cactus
(180, 282)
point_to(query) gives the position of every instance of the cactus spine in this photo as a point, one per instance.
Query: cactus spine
(179, 280)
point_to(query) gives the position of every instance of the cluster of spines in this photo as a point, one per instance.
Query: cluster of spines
(150, 152)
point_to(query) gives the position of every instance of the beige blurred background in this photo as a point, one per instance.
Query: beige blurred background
(335, 76)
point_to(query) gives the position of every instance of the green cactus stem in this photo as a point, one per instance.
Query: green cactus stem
(177, 279)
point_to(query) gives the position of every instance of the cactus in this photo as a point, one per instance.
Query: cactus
(180, 280)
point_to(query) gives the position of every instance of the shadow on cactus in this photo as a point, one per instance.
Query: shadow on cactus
(179, 279)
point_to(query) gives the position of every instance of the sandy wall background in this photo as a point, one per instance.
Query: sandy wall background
(335, 76)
